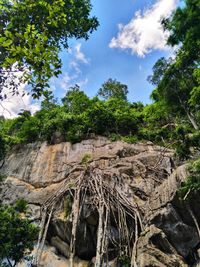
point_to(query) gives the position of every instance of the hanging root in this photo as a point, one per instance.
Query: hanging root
(134, 252)
(194, 219)
(107, 198)
(75, 218)
(42, 236)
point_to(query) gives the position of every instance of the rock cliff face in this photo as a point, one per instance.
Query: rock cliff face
(148, 178)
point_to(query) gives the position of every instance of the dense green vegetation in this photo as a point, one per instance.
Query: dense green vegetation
(79, 117)
(17, 234)
(192, 184)
(32, 33)
(76, 118)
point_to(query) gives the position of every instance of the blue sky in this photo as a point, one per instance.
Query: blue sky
(102, 60)
(125, 47)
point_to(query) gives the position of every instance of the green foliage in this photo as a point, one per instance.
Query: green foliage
(2, 147)
(124, 261)
(21, 205)
(192, 184)
(130, 139)
(195, 93)
(68, 202)
(184, 29)
(183, 150)
(183, 141)
(75, 100)
(77, 118)
(115, 137)
(33, 33)
(2, 177)
(113, 88)
(86, 158)
(49, 101)
(17, 234)
(177, 79)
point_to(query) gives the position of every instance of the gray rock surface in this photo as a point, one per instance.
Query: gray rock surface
(148, 177)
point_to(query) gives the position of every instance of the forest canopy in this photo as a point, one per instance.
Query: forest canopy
(32, 34)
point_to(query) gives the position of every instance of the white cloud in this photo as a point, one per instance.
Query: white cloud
(12, 105)
(67, 80)
(73, 75)
(144, 32)
(79, 55)
(82, 83)
(75, 66)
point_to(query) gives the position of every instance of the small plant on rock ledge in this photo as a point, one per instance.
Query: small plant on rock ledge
(68, 202)
(123, 261)
(86, 158)
(2, 177)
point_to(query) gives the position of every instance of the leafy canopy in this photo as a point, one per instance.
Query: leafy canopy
(177, 79)
(75, 118)
(192, 183)
(113, 88)
(32, 33)
(184, 29)
(17, 234)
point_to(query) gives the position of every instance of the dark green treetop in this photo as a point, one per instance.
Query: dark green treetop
(113, 88)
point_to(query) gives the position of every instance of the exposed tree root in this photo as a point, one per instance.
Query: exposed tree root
(106, 197)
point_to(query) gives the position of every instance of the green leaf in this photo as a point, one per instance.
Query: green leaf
(7, 43)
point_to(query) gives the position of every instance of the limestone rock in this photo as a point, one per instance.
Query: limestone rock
(154, 249)
(147, 175)
(51, 259)
(61, 246)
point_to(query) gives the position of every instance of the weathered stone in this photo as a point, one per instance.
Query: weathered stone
(62, 247)
(145, 173)
(34, 212)
(154, 249)
(51, 259)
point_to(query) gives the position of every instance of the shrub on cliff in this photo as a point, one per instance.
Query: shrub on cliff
(17, 234)
(192, 184)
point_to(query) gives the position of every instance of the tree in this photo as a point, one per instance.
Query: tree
(49, 101)
(184, 29)
(174, 85)
(177, 79)
(17, 234)
(113, 88)
(32, 33)
(75, 100)
(100, 118)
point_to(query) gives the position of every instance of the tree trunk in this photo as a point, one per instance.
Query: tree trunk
(189, 114)
(192, 120)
